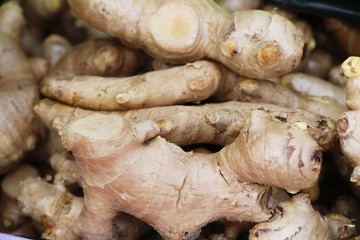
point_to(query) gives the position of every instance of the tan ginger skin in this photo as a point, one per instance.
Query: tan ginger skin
(294, 219)
(10, 214)
(18, 91)
(194, 82)
(55, 47)
(262, 91)
(307, 84)
(210, 123)
(51, 205)
(57, 210)
(98, 57)
(143, 154)
(183, 31)
(348, 131)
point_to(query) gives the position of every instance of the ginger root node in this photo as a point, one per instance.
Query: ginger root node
(268, 54)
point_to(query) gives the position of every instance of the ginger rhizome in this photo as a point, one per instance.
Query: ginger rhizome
(294, 219)
(347, 129)
(52, 206)
(210, 123)
(194, 82)
(57, 210)
(130, 152)
(262, 91)
(250, 42)
(306, 84)
(97, 57)
(19, 128)
(10, 214)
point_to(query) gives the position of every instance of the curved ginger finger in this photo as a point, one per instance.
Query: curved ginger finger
(194, 82)
(253, 43)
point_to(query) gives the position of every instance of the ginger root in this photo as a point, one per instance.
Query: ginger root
(262, 91)
(97, 57)
(130, 152)
(210, 123)
(314, 86)
(55, 47)
(10, 214)
(57, 210)
(194, 82)
(347, 129)
(294, 219)
(19, 128)
(248, 42)
(52, 206)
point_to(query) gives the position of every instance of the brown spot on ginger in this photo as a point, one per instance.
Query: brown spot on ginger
(268, 55)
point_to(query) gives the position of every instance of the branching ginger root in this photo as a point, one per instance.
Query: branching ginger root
(18, 91)
(178, 177)
(210, 123)
(63, 163)
(294, 219)
(253, 43)
(349, 133)
(10, 214)
(50, 205)
(57, 210)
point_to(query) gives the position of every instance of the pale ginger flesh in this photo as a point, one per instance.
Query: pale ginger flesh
(141, 158)
(210, 123)
(183, 31)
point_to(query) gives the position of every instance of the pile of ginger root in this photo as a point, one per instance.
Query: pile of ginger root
(181, 119)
